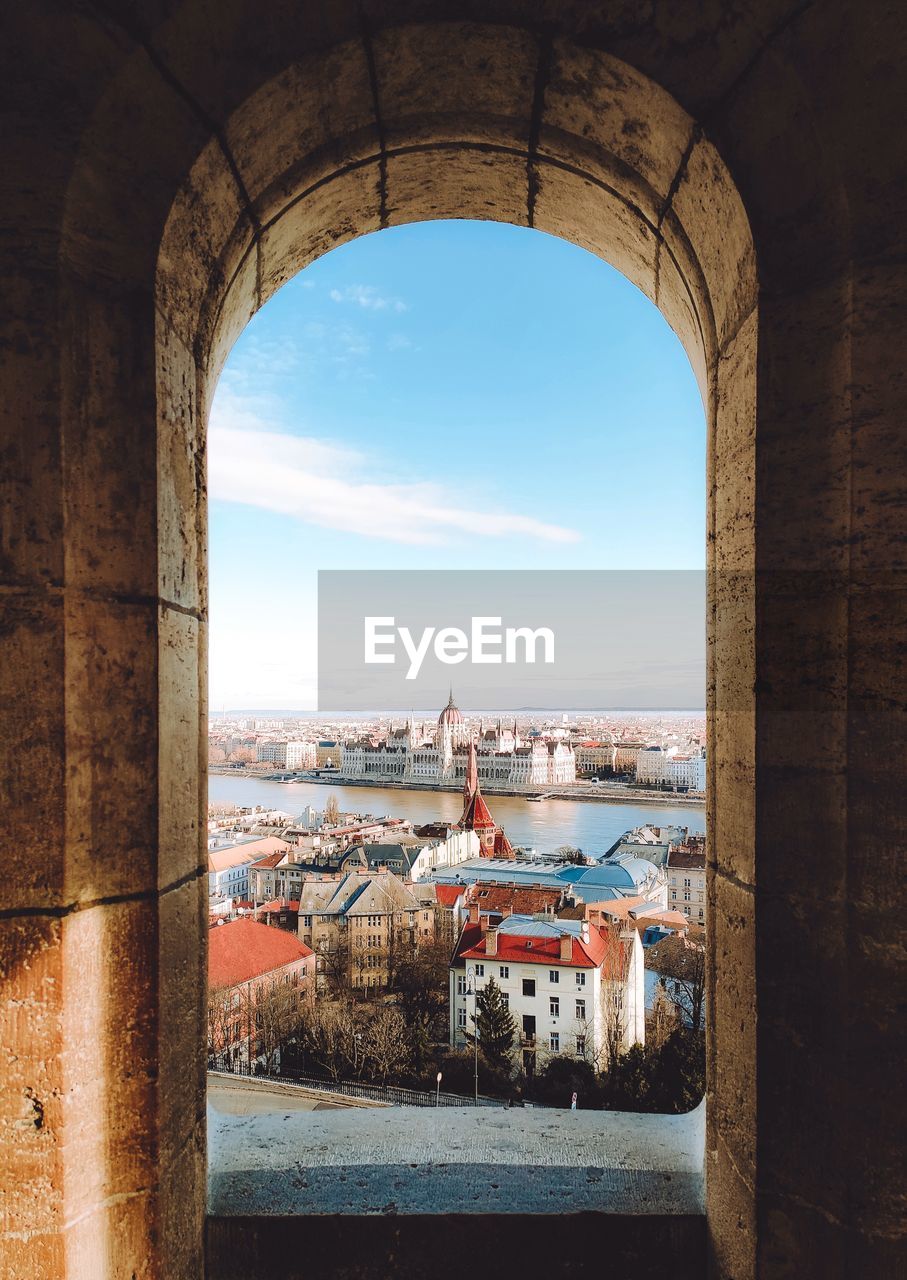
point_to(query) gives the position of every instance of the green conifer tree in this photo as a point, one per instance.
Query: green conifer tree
(495, 1022)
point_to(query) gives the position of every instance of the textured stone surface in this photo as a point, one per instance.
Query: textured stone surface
(167, 166)
(455, 1160)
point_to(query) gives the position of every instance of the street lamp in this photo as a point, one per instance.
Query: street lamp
(438, 1090)
(472, 989)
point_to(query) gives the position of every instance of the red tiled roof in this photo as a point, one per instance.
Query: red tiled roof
(476, 816)
(520, 899)
(515, 949)
(244, 949)
(270, 860)
(502, 846)
(280, 904)
(447, 894)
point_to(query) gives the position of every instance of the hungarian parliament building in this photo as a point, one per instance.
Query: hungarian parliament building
(441, 753)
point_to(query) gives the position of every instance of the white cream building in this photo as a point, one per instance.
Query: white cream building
(661, 767)
(418, 754)
(566, 983)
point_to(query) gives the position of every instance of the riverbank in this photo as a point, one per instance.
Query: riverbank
(604, 794)
(591, 826)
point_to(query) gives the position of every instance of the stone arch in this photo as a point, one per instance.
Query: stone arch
(473, 121)
(115, 331)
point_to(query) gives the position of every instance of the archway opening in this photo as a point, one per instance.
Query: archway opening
(538, 134)
(442, 398)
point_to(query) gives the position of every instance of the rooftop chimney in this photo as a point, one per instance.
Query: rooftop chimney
(566, 946)
(491, 942)
(473, 913)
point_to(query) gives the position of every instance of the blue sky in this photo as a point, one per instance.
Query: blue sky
(445, 395)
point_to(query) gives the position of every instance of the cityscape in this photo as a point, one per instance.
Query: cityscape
(453, 640)
(393, 949)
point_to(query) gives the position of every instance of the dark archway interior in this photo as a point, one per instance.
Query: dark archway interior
(175, 165)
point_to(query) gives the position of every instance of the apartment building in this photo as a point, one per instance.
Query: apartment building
(573, 989)
(359, 923)
(686, 879)
(258, 980)
(230, 861)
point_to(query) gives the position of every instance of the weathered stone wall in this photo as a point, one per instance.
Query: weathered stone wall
(169, 165)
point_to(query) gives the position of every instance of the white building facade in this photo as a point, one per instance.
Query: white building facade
(300, 755)
(440, 754)
(658, 767)
(686, 880)
(571, 988)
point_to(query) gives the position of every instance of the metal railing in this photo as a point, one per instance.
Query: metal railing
(393, 1094)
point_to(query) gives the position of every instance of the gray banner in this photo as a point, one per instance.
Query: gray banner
(508, 640)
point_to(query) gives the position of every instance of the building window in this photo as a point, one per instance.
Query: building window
(686, 895)
(504, 971)
(581, 1011)
(461, 1018)
(581, 1046)
(480, 971)
(554, 1007)
(554, 1042)
(686, 884)
(461, 985)
(505, 999)
(529, 986)
(553, 975)
(580, 979)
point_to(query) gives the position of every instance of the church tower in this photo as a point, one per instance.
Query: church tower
(476, 816)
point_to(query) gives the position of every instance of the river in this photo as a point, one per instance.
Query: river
(592, 826)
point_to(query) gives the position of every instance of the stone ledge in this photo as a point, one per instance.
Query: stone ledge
(422, 1161)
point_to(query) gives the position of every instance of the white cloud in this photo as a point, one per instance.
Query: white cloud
(368, 297)
(398, 342)
(320, 483)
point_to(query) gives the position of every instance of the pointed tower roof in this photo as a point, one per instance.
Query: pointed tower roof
(476, 816)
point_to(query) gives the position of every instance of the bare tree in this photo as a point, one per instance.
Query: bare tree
(333, 960)
(570, 853)
(585, 1044)
(401, 942)
(365, 959)
(331, 811)
(221, 1017)
(278, 1019)
(683, 978)
(614, 991)
(661, 1021)
(330, 1039)
(386, 1044)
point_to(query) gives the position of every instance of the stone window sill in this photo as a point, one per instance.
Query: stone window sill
(368, 1161)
